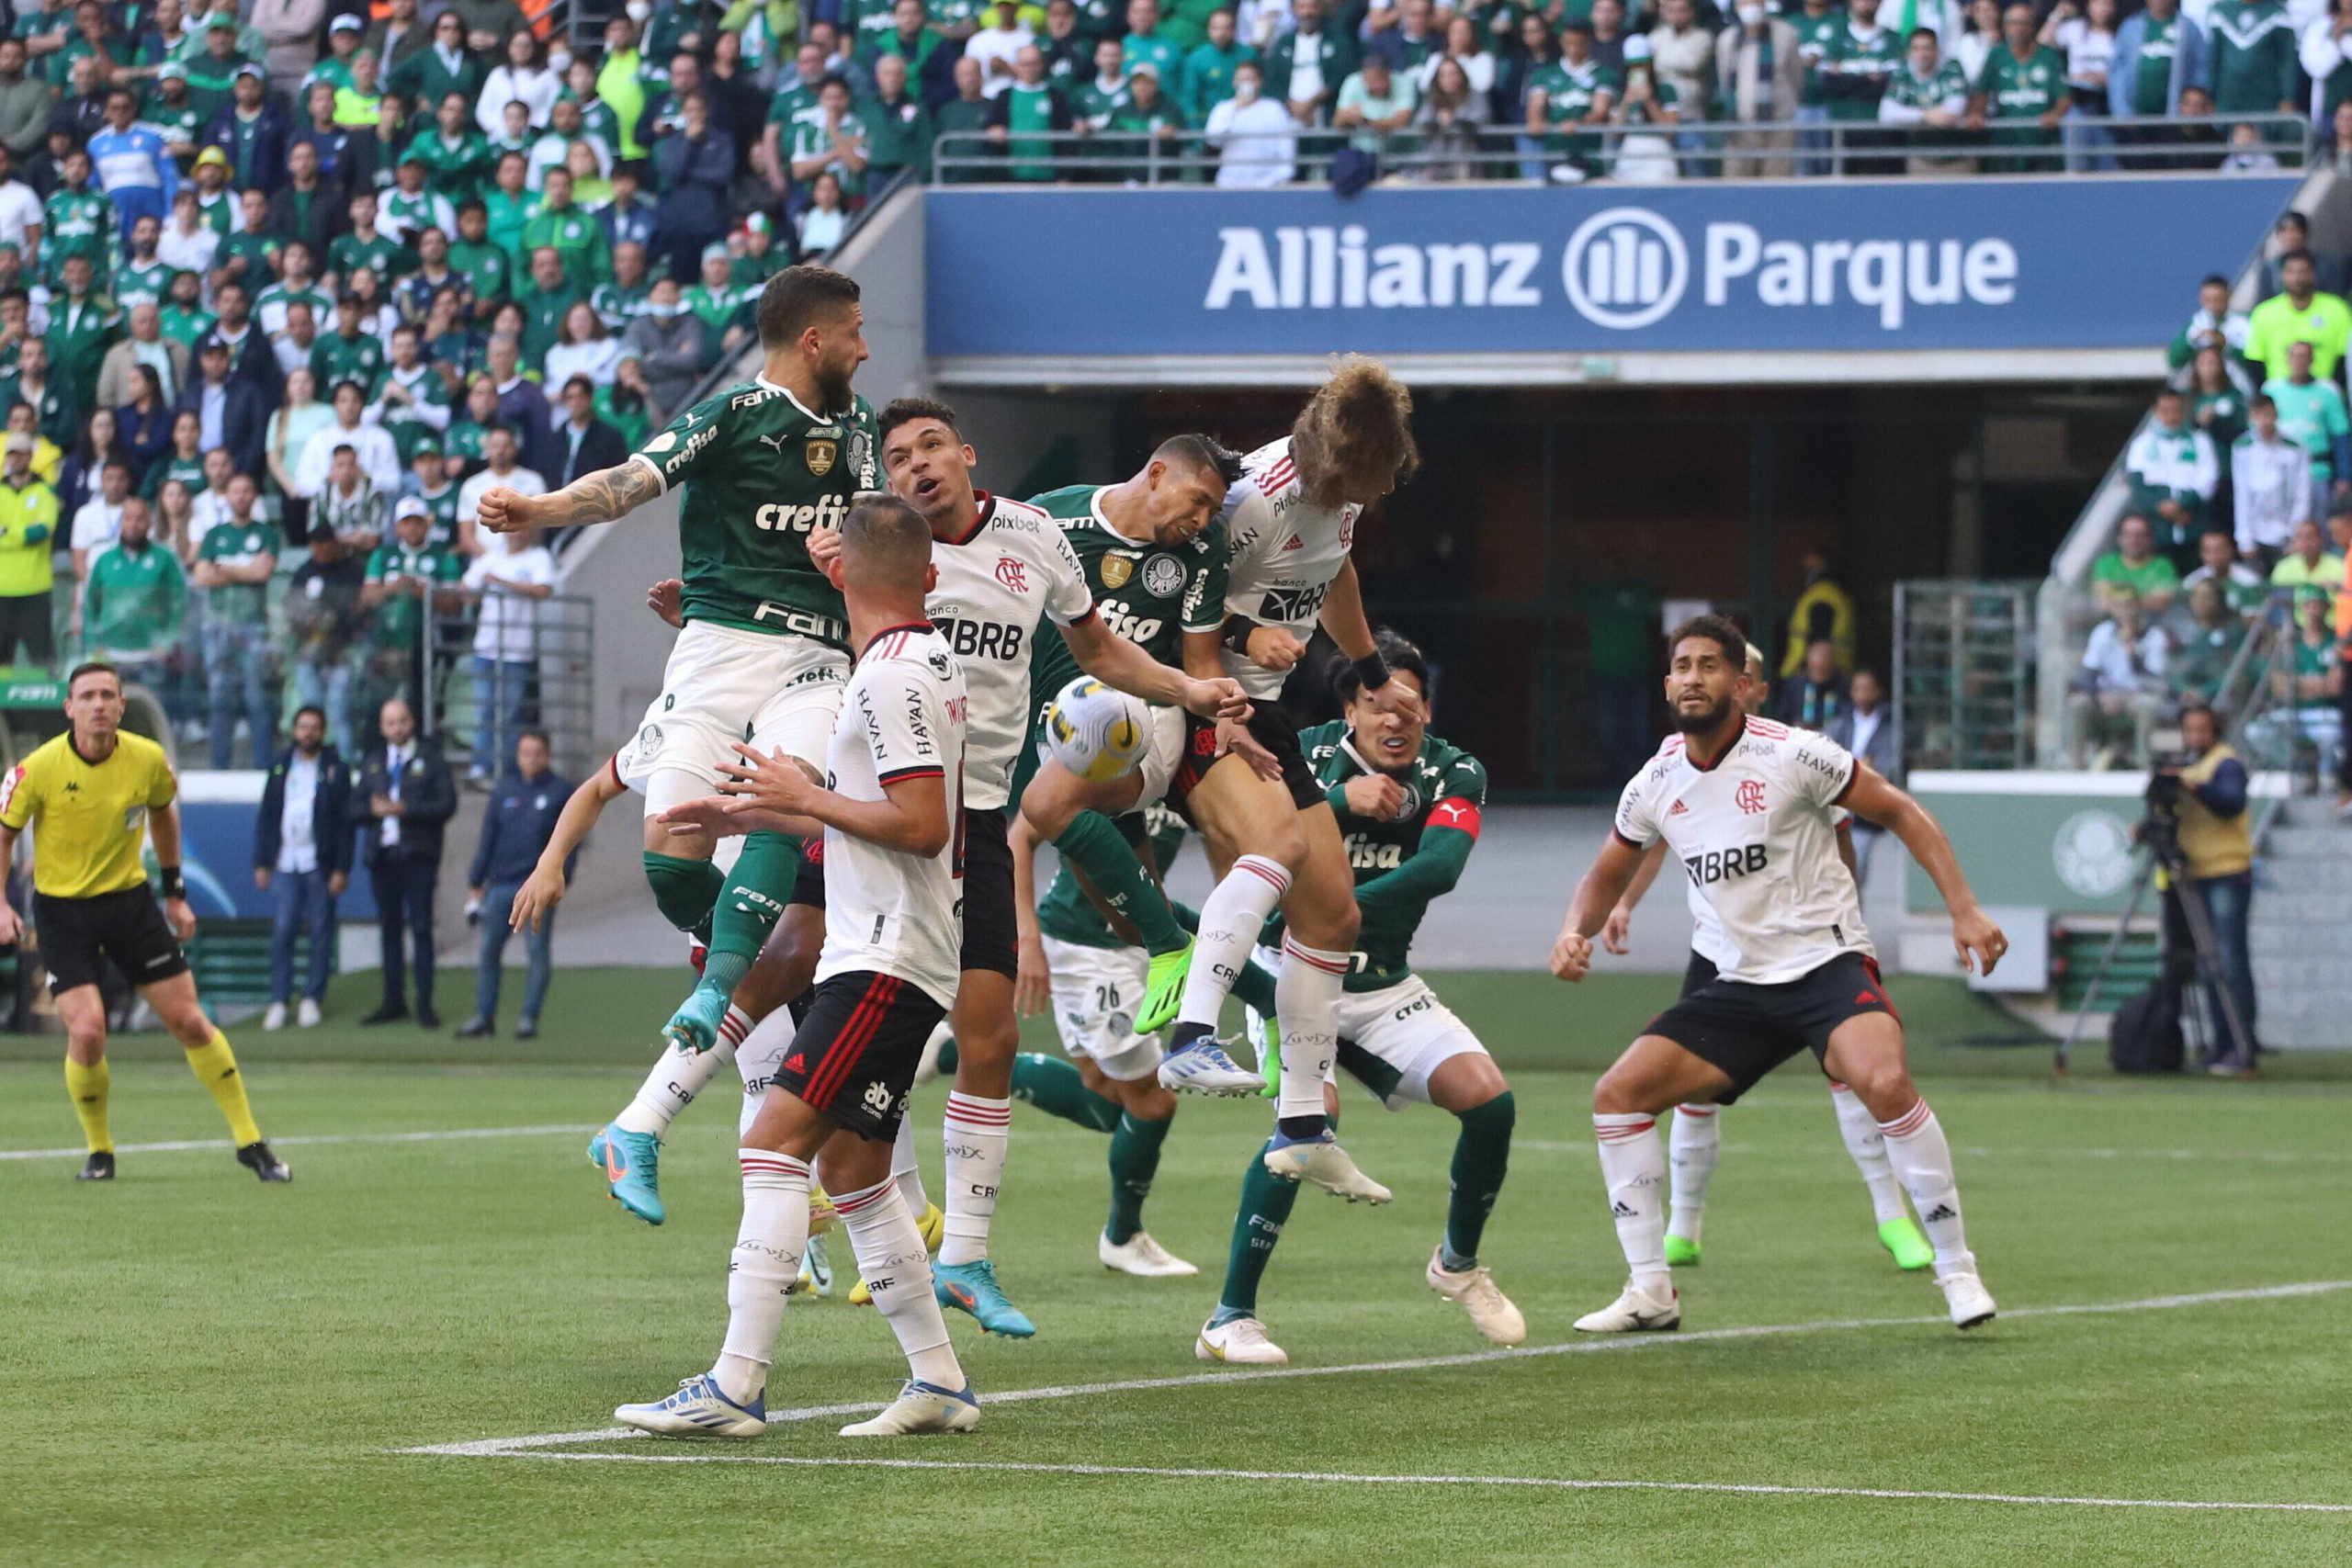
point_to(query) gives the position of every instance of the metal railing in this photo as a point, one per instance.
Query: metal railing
(1963, 673)
(1636, 153)
(533, 669)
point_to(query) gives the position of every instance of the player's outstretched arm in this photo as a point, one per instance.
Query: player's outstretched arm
(545, 887)
(1603, 886)
(1975, 937)
(594, 498)
(1033, 976)
(1118, 663)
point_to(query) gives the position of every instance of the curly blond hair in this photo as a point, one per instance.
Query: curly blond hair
(1356, 432)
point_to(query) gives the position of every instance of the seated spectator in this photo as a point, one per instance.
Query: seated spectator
(2312, 412)
(2121, 688)
(1452, 122)
(1816, 697)
(2270, 481)
(664, 351)
(2135, 569)
(2300, 313)
(2174, 472)
(1255, 137)
(822, 222)
(233, 566)
(323, 626)
(2244, 588)
(135, 601)
(507, 644)
(2309, 567)
(2208, 637)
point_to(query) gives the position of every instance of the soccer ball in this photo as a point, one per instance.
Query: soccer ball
(1095, 732)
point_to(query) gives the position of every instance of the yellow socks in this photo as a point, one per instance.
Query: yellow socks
(215, 1067)
(89, 1086)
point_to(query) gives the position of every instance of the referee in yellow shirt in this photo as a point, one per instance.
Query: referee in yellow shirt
(89, 797)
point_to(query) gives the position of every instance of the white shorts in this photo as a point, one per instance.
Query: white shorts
(723, 685)
(1096, 991)
(1406, 1026)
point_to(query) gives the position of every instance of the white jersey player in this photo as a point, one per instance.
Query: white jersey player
(1746, 806)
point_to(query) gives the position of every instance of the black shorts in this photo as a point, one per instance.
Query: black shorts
(1748, 1030)
(809, 881)
(1272, 727)
(853, 1059)
(127, 927)
(989, 940)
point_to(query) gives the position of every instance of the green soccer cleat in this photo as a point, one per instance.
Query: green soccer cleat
(1901, 1237)
(1681, 1254)
(1270, 1056)
(1164, 991)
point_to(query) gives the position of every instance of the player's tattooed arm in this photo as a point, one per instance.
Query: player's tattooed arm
(599, 497)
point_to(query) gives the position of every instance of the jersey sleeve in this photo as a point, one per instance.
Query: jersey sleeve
(20, 798)
(162, 786)
(679, 446)
(1636, 823)
(1068, 599)
(1462, 796)
(1821, 771)
(904, 721)
(1205, 595)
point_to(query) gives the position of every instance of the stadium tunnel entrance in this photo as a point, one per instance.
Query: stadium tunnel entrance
(1536, 555)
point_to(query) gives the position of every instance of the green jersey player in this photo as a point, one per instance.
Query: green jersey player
(764, 653)
(1408, 806)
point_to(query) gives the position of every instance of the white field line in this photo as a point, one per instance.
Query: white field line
(216, 1144)
(500, 1448)
(1347, 1479)
(2044, 1151)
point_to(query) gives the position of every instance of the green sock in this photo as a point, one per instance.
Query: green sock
(748, 908)
(1266, 1200)
(1054, 1087)
(1255, 988)
(684, 890)
(1186, 916)
(1135, 1160)
(1481, 1155)
(1094, 846)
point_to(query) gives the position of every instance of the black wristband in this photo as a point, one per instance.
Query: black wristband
(1235, 634)
(1373, 672)
(174, 884)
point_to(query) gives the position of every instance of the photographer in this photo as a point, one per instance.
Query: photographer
(2204, 800)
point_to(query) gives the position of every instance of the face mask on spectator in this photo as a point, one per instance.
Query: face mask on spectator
(1750, 14)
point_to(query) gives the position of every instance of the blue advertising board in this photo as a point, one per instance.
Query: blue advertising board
(1827, 266)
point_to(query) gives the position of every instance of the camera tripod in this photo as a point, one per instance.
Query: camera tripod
(2161, 835)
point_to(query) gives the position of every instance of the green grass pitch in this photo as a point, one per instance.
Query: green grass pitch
(198, 1369)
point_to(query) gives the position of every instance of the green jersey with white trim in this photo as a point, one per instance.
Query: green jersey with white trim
(1445, 788)
(760, 473)
(1150, 595)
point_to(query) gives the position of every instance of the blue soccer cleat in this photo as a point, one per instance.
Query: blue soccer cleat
(695, 1026)
(972, 1287)
(697, 1410)
(632, 1166)
(1202, 1066)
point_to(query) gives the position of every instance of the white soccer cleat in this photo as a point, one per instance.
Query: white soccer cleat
(1142, 1255)
(1491, 1312)
(1971, 1302)
(306, 1014)
(1242, 1342)
(1636, 1312)
(1204, 1066)
(697, 1410)
(1323, 1162)
(273, 1018)
(927, 1065)
(920, 1407)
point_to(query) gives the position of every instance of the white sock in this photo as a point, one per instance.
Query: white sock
(1307, 1002)
(1231, 918)
(974, 1133)
(762, 1053)
(1922, 1161)
(898, 1275)
(676, 1078)
(1633, 1166)
(1864, 1141)
(907, 1171)
(1696, 1145)
(766, 1262)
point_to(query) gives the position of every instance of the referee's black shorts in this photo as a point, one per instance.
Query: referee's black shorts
(127, 927)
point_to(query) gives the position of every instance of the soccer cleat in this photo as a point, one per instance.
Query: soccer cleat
(972, 1287)
(697, 1410)
(1141, 1256)
(99, 1167)
(1201, 1066)
(1971, 1302)
(1164, 989)
(921, 1407)
(1242, 1342)
(695, 1026)
(1636, 1312)
(1491, 1312)
(927, 1067)
(1682, 1253)
(1322, 1161)
(632, 1166)
(931, 1227)
(255, 1156)
(1900, 1235)
(816, 1277)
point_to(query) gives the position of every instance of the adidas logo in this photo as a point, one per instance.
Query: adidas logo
(1621, 1211)
(1295, 543)
(1865, 999)
(1941, 1212)
(795, 1064)
(1680, 810)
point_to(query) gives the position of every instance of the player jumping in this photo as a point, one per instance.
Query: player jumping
(893, 942)
(1408, 805)
(90, 796)
(1746, 806)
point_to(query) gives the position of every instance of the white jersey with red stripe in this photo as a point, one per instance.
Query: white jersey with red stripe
(1754, 836)
(1286, 553)
(887, 912)
(997, 585)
